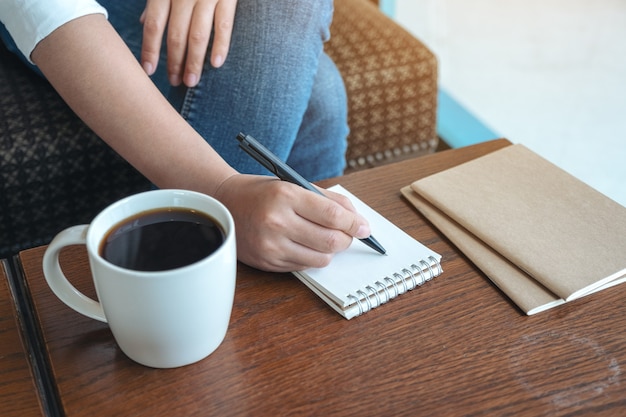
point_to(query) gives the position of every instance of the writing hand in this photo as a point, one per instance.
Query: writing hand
(189, 24)
(283, 227)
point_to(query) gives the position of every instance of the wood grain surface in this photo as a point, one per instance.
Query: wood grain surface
(18, 393)
(455, 346)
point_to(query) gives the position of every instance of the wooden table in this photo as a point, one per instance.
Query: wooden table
(455, 346)
(18, 392)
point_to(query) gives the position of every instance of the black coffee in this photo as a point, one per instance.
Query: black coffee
(162, 239)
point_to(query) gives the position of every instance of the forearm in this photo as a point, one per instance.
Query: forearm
(108, 89)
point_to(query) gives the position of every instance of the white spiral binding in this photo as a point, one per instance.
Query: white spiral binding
(388, 288)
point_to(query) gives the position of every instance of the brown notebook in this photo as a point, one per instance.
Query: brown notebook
(541, 235)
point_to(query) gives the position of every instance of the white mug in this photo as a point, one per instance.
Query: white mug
(162, 319)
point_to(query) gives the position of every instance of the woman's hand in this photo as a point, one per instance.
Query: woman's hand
(189, 24)
(283, 227)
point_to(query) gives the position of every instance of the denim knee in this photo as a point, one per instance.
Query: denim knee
(320, 147)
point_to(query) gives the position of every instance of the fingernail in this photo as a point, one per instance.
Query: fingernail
(191, 80)
(363, 232)
(175, 79)
(148, 68)
(218, 60)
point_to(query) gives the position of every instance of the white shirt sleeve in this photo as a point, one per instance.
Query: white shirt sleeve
(30, 21)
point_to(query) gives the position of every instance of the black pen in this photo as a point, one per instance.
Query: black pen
(286, 173)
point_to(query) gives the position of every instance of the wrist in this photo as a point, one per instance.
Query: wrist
(223, 186)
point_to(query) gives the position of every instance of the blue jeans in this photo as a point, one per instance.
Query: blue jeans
(277, 84)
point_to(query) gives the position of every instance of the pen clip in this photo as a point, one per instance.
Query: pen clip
(244, 144)
(270, 161)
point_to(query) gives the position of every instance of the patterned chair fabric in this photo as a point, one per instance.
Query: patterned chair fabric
(391, 79)
(55, 172)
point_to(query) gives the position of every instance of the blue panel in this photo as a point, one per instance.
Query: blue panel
(388, 7)
(457, 126)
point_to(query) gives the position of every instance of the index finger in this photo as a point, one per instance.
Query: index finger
(222, 31)
(154, 19)
(333, 215)
(340, 198)
(197, 44)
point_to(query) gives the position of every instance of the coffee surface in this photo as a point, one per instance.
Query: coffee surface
(162, 239)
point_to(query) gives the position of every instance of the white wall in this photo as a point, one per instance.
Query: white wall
(550, 74)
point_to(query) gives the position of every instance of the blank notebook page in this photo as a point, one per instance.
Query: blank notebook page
(360, 267)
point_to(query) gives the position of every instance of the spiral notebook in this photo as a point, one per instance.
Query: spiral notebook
(359, 279)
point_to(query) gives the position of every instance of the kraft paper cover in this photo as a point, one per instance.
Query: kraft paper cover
(530, 296)
(537, 219)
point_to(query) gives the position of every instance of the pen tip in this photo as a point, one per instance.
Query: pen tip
(373, 243)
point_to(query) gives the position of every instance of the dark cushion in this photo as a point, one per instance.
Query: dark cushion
(54, 171)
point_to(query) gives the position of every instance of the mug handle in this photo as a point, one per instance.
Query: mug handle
(59, 284)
